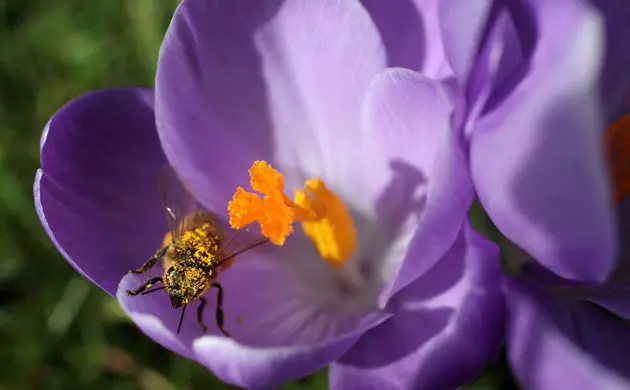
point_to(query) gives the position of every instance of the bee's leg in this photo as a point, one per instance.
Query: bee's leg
(200, 308)
(219, 309)
(148, 284)
(150, 263)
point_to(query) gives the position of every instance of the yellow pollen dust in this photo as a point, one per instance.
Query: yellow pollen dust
(198, 240)
(323, 216)
(618, 150)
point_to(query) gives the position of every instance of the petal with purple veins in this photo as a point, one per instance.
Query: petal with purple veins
(448, 326)
(275, 80)
(97, 193)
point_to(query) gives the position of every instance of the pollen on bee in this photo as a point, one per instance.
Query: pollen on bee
(324, 217)
(200, 243)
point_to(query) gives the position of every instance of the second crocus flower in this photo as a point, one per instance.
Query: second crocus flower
(536, 83)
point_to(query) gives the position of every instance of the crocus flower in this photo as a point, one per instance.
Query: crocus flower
(297, 93)
(535, 83)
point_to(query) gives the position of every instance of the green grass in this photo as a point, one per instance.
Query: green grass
(57, 330)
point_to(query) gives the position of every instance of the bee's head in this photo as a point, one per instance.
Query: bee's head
(177, 299)
(185, 284)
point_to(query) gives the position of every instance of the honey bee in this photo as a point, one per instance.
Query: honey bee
(195, 250)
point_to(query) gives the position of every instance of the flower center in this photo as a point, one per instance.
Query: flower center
(618, 150)
(325, 219)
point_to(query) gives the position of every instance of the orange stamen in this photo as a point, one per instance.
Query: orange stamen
(265, 179)
(324, 217)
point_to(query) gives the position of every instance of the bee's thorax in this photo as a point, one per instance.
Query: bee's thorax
(191, 264)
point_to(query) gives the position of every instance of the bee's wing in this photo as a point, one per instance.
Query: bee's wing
(235, 242)
(178, 202)
(183, 212)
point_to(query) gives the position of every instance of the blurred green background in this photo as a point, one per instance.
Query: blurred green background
(57, 330)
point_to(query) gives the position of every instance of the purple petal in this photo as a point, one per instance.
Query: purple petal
(614, 297)
(405, 115)
(97, 192)
(462, 23)
(564, 345)
(286, 305)
(411, 34)
(263, 295)
(232, 362)
(614, 294)
(537, 163)
(265, 368)
(280, 81)
(448, 327)
(408, 117)
(499, 57)
(615, 78)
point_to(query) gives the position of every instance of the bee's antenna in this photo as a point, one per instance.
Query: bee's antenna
(181, 319)
(254, 245)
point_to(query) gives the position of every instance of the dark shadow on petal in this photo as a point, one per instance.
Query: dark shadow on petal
(513, 66)
(621, 275)
(561, 209)
(401, 197)
(402, 31)
(572, 334)
(523, 18)
(610, 344)
(425, 326)
(615, 75)
(448, 323)
(438, 280)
